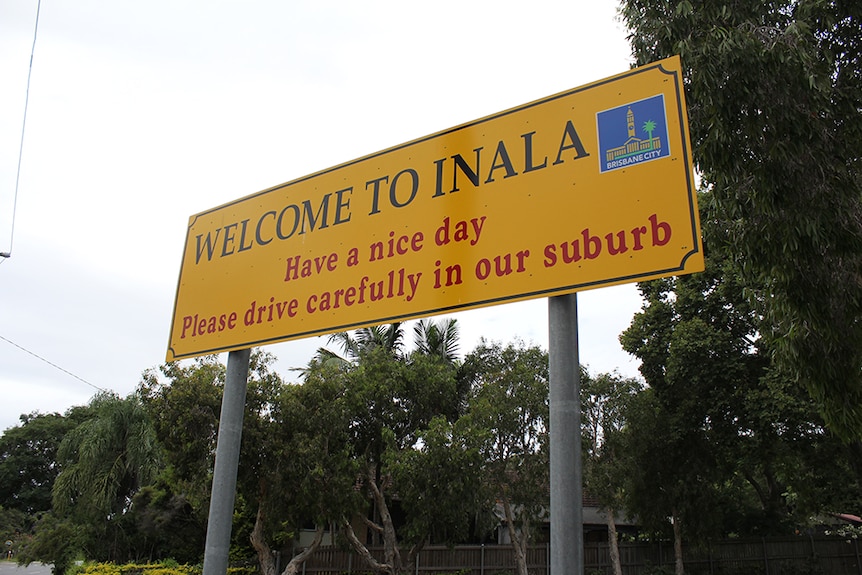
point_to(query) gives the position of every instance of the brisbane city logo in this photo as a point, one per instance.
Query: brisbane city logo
(624, 143)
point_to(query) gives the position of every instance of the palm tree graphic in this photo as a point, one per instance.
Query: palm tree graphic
(649, 127)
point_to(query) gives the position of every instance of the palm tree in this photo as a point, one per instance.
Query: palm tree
(438, 339)
(649, 127)
(108, 458)
(389, 337)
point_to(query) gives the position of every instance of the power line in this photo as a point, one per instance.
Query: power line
(5, 255)
(66, 371)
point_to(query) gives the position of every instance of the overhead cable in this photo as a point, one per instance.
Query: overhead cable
(7, 254)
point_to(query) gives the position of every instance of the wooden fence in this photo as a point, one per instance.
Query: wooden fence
(773, 556)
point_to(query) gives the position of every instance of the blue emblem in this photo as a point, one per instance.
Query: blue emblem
(633, 134)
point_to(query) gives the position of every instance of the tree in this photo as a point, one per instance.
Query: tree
(104, 460)
(389, 337)
(508, 412)
(28, 468)
(439, 483)
(183, 400)
(165, 525)
(775, 109)
(392, 403)
(722, 440)
(289, 453)
(438, 339)
(695, 352)
(393, 397)
(57, 542)
(28, 459)
(605, 403)
(13, 525)
(301, 471)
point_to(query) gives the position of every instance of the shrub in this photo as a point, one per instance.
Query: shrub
(169, 567)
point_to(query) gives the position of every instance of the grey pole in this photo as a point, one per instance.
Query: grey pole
(567, 514)
(226, 464)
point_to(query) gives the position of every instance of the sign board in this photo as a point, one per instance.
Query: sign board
(586, 188)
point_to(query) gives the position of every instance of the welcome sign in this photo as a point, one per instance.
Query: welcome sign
(586, 188)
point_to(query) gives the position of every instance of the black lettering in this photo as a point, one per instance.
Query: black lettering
(528, 154)
(208, 245)
(308, 215)
(501, 155)
(375, 197)
(279, 229)
(393, 199)
(342, 204)
(472, 175)
(570, 141)
(257, 236)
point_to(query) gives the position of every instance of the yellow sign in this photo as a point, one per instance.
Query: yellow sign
(586, 188)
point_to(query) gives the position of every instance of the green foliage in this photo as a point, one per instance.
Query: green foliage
(508, 417)
(402, 396)
(721, 427)
(57, 541)
(28, 460)
(439, 483)
(437, 339)
(775, 107)
(183, 400)
(166, 525)
(508, 411)
(106, 459)
(302, 470)
(605, 403)
(13, 525)
(167, 567)
(164, 567)
(389, 338)
(398, 412)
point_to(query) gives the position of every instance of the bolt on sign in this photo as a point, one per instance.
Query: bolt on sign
(586, 188)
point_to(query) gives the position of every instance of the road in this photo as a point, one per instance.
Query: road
(12, 568)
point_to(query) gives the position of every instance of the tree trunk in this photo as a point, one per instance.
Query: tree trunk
(677, 544)
(297, 560)
(258, 541)
(390, 540)
(519, 540)
(613, 543)
(363, 551)
(855, 459)
(414, 552)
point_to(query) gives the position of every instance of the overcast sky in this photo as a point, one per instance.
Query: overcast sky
(144, 113)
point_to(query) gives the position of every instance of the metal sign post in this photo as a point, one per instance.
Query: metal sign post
(567, 515)
(226, 464)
